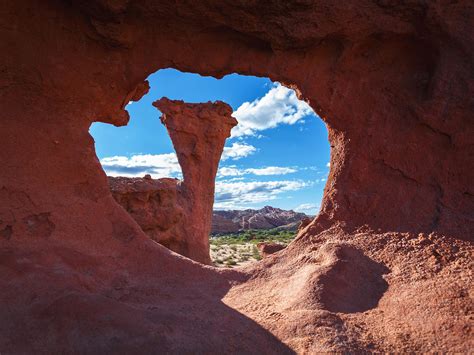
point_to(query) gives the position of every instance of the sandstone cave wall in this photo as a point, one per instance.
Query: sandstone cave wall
(392, 82)
(391, 79)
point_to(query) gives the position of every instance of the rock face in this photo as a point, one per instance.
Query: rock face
(265, 218)
(178, 214)
(392, 80)
(198, 133)
(221, 224)
(155, 205)
(265, 249)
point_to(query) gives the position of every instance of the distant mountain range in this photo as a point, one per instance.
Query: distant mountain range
(266, 218)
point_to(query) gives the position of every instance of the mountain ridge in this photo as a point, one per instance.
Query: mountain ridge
(268, 217)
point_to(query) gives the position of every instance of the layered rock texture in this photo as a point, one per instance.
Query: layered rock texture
(155, 205)
(178, 214)
(265, 218)
(385, 266)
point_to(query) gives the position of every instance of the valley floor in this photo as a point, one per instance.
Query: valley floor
(240, 249)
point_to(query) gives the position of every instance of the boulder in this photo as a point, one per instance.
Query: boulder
(267, 248)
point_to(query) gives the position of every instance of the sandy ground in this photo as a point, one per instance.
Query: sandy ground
(234, 255)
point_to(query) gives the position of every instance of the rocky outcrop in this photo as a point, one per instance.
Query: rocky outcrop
(224, 221)
(198, 133)
(392, 80)
(178, 214)
(155, 205)
(304, 223)
(221, 224)
(267, 248)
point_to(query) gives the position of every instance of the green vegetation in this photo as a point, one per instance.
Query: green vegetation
(233, 249)
(255, 253)
(230, 262)
(253, 236)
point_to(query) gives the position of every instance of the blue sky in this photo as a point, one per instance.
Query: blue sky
(277, 155)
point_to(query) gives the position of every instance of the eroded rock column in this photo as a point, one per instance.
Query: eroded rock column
(178, 214)
(198, 133)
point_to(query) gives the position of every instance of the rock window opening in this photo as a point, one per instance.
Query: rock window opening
(206, 187)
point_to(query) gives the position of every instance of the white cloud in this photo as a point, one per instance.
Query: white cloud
(237, 151)
(279, 106)
(231, 193)
(235, 194)
(235, 179)
(164, 165)
(328, 164)
(232, 170)
(271, 170)
(157, 165)
(308, 208)
(319, 181)
(313, 168)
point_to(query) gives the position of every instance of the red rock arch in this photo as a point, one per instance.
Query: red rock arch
(392, 81)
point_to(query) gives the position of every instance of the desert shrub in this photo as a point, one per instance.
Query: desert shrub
(242, 245)
(255, 253)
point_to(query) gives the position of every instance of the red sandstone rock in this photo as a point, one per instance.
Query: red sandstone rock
(178, 214)
(154, 205)
(266, 248)
(304, 223)
(198, 133)
(221, 224)
(391, 79)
